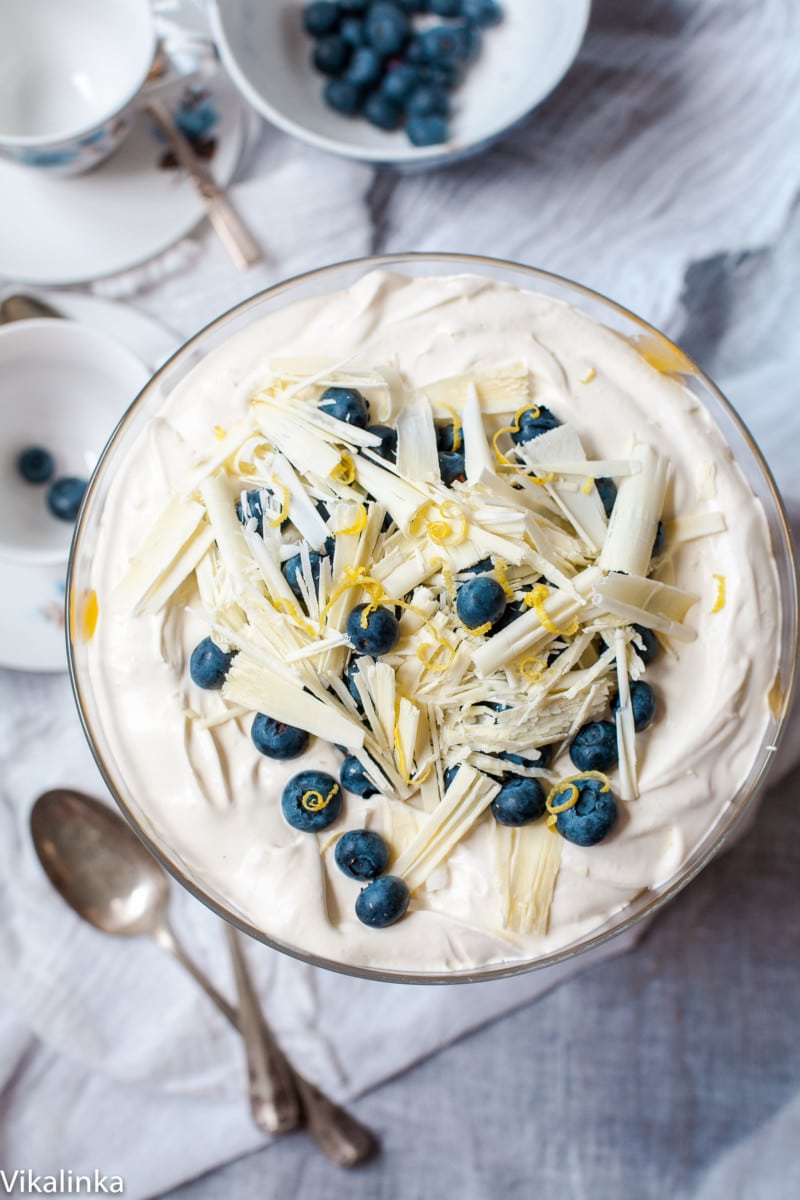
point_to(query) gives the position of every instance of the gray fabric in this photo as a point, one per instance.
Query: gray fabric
(670, 1073)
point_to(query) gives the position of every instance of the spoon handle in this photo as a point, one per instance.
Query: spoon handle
(340, 1137)
(167, 940)
(274, 1102)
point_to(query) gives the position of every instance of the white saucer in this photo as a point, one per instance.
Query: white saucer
(127, 210)
(32, 597)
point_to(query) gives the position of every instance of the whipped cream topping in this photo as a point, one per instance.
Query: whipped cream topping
(211, 801)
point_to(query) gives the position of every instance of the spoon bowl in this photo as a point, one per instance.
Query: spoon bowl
(96, 862)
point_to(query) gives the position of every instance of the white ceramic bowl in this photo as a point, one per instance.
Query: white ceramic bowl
(267, 54)
(64, 387)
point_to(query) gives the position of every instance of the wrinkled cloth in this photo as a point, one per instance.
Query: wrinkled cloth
(663, 172)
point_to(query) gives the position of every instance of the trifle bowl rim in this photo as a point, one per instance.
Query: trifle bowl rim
(728, 820)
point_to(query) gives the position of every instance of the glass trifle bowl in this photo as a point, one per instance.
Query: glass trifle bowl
(459, 694)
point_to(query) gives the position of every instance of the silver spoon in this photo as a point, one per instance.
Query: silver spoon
(104, 872)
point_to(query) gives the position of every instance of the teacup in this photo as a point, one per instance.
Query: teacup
(71, 75)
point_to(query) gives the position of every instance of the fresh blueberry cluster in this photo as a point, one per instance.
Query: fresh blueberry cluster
(37, 465)
(594, 747)
(393, 69)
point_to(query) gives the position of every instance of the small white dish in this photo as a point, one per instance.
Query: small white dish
(64, 387)
(267, 55)
(129, 209)
(32, 594)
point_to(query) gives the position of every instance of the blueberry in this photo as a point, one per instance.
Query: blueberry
(449, 775)
(594, 747)
(353, 31)
(253, 508)
(355, 6)
(643, 703)
(660, 541)
(482, 12)
(651, 644)
(361, 854)
(378, 636)
(427, 131)
(275, 739)
(451, 466)
(353, 777)
(519, 802)
(415, 51)
(331, 55)
(542, 757)
(428, 102)
(470, 40)
(311, 801)
(350, 678)
(387, 523)
(388, 436)
(209, 665)
(383, 112)
(400, 82)
(382, 902)
(345, 404)
(412, 7)
(512, 612)
(342, 96)
(36, 465)
(591, 818)
(442, 75)
(441, 43)
(320, 18)
(480, 601)
(387, 27)
(447, 440)
(329, 547)
(293, 571)
(532, 422)
(445, 8)
(366, 66)
(607, 490)
(481, 567)
(64, 497)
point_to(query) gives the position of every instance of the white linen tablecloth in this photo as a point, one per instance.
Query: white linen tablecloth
(664, 172)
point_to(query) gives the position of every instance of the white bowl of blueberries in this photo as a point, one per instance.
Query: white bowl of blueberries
(64, 388)
(399, 82)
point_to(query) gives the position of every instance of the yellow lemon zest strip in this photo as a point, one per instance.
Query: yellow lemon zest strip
(357, 577)
(345, 471)
(291, 610)
(531, 667)
(219, 433)
(535, 599)
(427, 660)
(458, 437)
(587, 487)
(572, 800)
(284, 512)
(359, 523)
(500, 565)
(313, 801)
(479, 630)
(719, 604)
(590, 375)
(542, 480)
(441, 532)
(246, 468)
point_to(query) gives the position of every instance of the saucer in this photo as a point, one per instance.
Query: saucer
(132, 207)
(32, 596)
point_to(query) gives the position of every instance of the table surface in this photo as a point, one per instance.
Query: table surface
(673, 1071)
